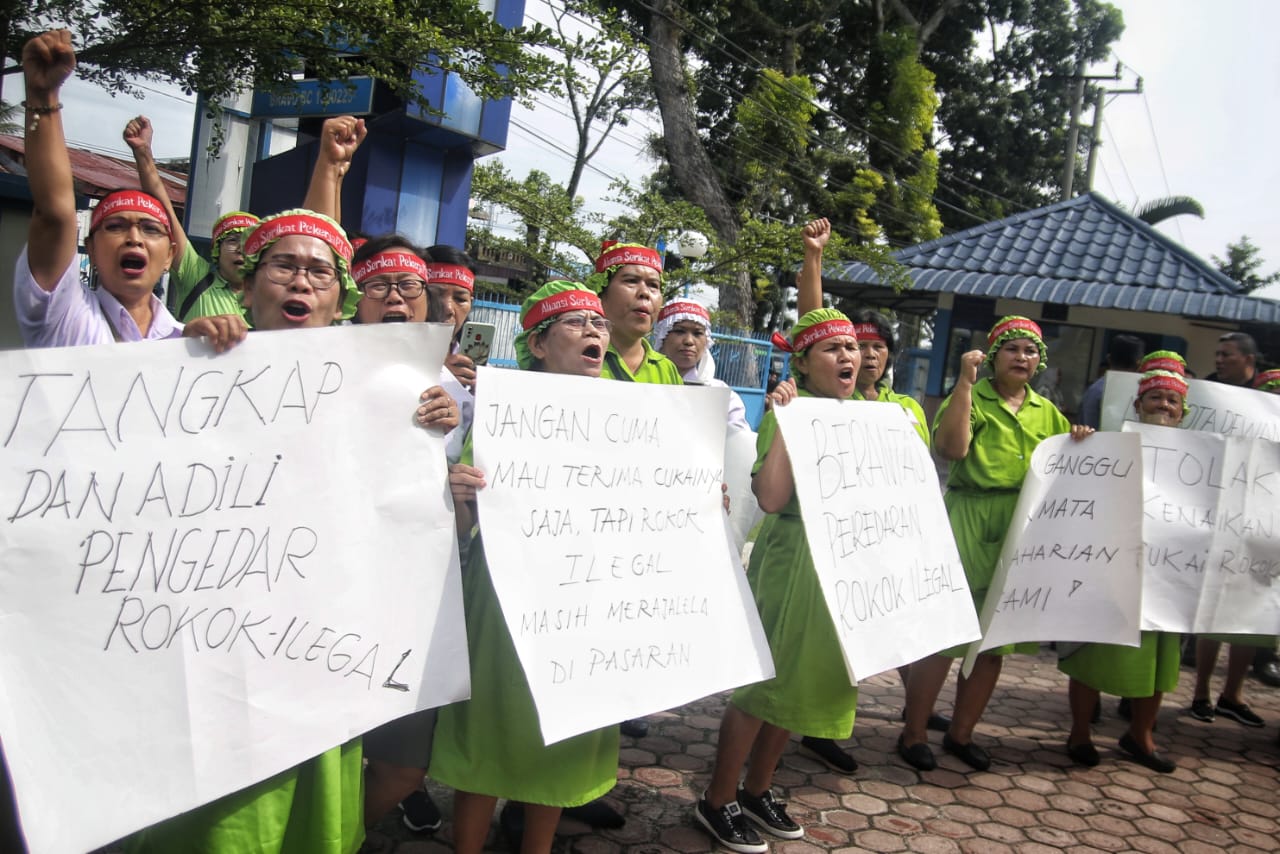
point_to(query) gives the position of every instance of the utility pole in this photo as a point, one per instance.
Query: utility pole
(1073, 130)
(1095, 138)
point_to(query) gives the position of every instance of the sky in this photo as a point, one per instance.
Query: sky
(1202, 127)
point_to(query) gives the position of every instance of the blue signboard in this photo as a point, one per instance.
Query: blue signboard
(306, 98)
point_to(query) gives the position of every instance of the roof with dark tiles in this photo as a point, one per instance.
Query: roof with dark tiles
(1084, 251)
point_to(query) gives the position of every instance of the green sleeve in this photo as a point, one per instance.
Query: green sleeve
(190, 271)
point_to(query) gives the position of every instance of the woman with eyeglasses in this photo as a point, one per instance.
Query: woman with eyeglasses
(130, 242)
(391, 276)
(297, 276)
(490, 746)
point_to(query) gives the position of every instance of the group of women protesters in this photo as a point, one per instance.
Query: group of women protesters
(297, 269)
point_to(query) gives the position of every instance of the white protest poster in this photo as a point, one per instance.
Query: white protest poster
(1071, 565)
(213, 568)
(1241, 592)
(1212, 407)
(739, 458)
(878, 532)
(605, 536)
(1212, 552)
(1176, 502)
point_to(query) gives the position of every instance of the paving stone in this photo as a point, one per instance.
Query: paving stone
(1033, 800)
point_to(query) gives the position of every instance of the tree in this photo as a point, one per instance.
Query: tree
(603, 77)
(1242, 265)
(221, 49)
(1158, 210)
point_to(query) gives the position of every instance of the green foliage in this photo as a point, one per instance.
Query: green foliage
(219, 49)
(1243, 264)
(1158, 210)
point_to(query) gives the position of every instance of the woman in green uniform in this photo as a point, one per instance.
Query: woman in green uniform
(628, 278)
(811, 693)
(876, 344)
(1146, 672)
(490, 747)
(987, 429)
(297, 276)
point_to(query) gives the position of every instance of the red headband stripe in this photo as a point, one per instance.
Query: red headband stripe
(233, 223)
(813, 334)
(868, 332)
(1161, 381)
(389, 262)
(1271, 376)
(560, 303)
(1021, 323)
(619, 255)
(684, 307)
(450, 274)
(129, 201)
(270, 231)
(1164, 364)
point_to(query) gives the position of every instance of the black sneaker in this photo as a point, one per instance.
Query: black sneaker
(1239, 712)
(730, 827)
(421, 815)
(831, 753)
(770, 815)
(1202, 710)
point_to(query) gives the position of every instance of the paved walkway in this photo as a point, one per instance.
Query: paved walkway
(1225, 794)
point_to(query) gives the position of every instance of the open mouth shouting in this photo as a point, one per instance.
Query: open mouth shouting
(593, 354)
(295, 310)
(395, 315)
(134, 264)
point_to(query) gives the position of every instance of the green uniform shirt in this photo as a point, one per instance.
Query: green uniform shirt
(656, 368)
(218, 298)
(1001, 441)
(907, 402)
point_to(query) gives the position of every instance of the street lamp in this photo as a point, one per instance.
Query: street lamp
(691, 245)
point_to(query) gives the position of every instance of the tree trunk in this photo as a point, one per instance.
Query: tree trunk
(690, 165)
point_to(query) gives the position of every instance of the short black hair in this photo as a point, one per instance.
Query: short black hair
(1243, 340)
(443, 253)
(382, 243)
(1125, 353)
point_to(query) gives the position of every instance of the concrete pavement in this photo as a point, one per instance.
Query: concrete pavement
(1225, 794)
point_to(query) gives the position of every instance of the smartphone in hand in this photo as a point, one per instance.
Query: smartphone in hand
(476, 341)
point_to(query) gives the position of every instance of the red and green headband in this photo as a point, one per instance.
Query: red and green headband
(868, 332)
(1166, 380)
(303, 224)
(1267, 380)
(392, 261)
(618, 254)
(560, 303)
(129, 201)
(813, 334)
(237, 221)
(450, 274)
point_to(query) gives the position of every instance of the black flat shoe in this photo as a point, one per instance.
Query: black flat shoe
(970, 754)
(1084, 754)
(637, 728)
(937, 722)
(918, 756)
(597, 814)
(1152, 760)
(831, 753)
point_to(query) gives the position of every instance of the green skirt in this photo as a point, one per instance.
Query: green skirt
(1127, 671)
(980, 521)
(314, 808)
(491, 744)
(811, 693)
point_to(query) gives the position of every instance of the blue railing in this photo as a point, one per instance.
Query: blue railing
(742, 361)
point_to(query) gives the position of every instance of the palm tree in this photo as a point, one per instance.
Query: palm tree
(1158, 210)
(10, 118)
